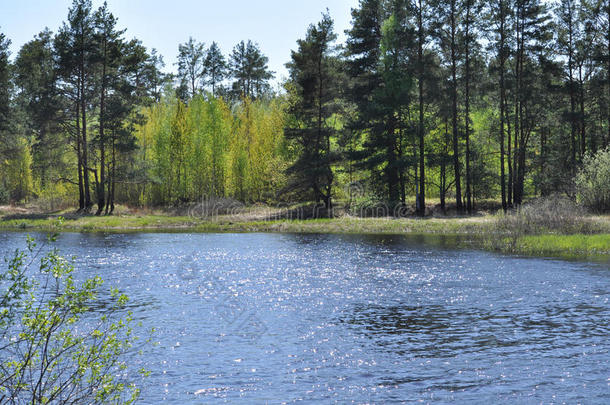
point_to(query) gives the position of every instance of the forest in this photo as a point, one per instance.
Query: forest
(446, 103)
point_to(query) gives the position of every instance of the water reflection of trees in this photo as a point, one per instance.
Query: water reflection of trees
(444, 331)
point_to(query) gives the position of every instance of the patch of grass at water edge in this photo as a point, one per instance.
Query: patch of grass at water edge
(565, 245)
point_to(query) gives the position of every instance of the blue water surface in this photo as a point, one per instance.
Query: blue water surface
(281, 318)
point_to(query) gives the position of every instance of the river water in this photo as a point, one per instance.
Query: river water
(281, 318)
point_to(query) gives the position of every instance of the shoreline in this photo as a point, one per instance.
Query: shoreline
(479, 232)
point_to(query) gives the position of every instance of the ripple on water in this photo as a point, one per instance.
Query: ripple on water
(261, 318)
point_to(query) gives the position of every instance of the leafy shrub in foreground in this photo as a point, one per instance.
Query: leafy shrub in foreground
(53, 347)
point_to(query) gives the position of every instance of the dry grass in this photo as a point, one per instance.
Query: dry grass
(555, 215)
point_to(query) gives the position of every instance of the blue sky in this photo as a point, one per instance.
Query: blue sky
(163, 24)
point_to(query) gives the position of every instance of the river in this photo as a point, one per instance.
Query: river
(282, 318)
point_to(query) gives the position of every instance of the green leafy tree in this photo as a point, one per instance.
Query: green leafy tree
(593, 181)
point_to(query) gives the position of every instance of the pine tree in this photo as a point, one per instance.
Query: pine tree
(36, 78)
(388, 139)
(133, 84)
(76, 49)
(314, 89)
(470, 31)
(363, 49)
(499, 16)
(5, 96)
(421, 11)
(109, 44)
(191, 68)
(569, 32)
(249, 70)
(531, 38)
(154, 76)
(215, 67)
(447, 33)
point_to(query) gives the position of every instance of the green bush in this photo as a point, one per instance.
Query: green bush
(4, 195)
(54, 348)
(57, 197)
(593, 181)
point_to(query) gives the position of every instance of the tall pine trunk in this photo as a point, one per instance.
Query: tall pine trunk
(518, 110)
(509, 157)
(608, 73)
(467, 114)
(583, 143)
(84, 151)
(101, 191)
(81, 188)
(421, 206)
(454, 113)
(392, 174)
(443, 174)
(502, 58)
(571, 85)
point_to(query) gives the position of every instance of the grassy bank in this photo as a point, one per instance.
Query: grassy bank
(565, 246)
(162, 223)
(486, 232)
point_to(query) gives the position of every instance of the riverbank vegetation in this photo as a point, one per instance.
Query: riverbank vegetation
(489, 120)
(457, 102)
(561, 231)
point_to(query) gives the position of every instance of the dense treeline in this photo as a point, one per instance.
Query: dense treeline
(206, 150)
(459, 100)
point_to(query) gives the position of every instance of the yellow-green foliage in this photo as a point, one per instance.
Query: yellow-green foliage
(16, 173)
(56, 196)
(256, 158)
(204, 149)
